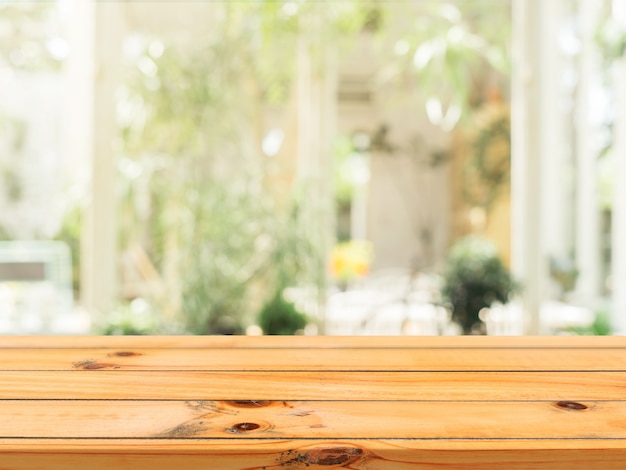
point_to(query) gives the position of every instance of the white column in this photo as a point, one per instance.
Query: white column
(359, 213)
(618, 241)
(555, 198)
(317, 91)
(587, 210)
(79, 91)
(526, 149)
(94, 69)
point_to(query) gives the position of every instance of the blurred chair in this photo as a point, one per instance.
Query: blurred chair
(36, 295)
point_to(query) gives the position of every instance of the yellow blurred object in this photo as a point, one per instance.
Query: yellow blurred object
(351, 260)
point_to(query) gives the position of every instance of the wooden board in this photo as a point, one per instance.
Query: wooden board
(313, 455)
(367, 403)
(271, 420)
(311, 359)
(316, 385)
(315, 342)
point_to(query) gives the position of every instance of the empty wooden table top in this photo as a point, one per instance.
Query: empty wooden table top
(261, 403)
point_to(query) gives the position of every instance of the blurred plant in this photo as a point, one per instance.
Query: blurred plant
(451, 48)
(343, 180)
(351, 260)
(611, 37)
(238, 243)
(13, 171)
(488, 170)
(601, 326)
(195, 194)
(611, 40)
(281, 317)
(30, 36)
(70, 234)
(565, 272)
(32, 52)
(456, 51)
(133, 318)
(474, 278)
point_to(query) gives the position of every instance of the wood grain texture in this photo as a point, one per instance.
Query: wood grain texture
(318, 455)
(363, 403)
(101, 419)
(278, 386)
(316, 342)
(346, 359)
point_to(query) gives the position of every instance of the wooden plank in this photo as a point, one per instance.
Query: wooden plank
(99, 419)
(296, 455)
(318, 342)
(267, 359)
(304, 403)
(191, 385)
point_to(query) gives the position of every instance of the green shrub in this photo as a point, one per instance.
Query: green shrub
(474, 278)
(280, 317)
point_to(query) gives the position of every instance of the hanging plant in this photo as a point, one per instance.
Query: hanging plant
(488, 170)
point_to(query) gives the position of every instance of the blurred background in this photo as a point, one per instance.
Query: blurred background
(308, 167)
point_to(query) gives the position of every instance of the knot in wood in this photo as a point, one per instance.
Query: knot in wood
(124, 354)
(243, 427)
(322, 456)
(571, 405)
(249, 403)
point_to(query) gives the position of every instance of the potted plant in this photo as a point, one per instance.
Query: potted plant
(281, 317)
(474, 279)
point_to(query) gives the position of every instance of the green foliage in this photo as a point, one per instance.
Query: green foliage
(452, 47)
(196, 205)
(13, 134)
(238, 242)
(134, 318)
(25, 28)
(488, 171)
(611, 37)
(601, 326)
(343, 184)
(280, 317)
(181, 93)
(70, 234)
(195, 196)
(474, 278)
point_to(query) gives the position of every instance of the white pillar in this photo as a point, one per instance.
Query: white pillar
(317, 79)
(618, 241)
(79, 91)
(555, 199)
(587, 209)
(96, 50)
(526, 149)
(359, 213)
